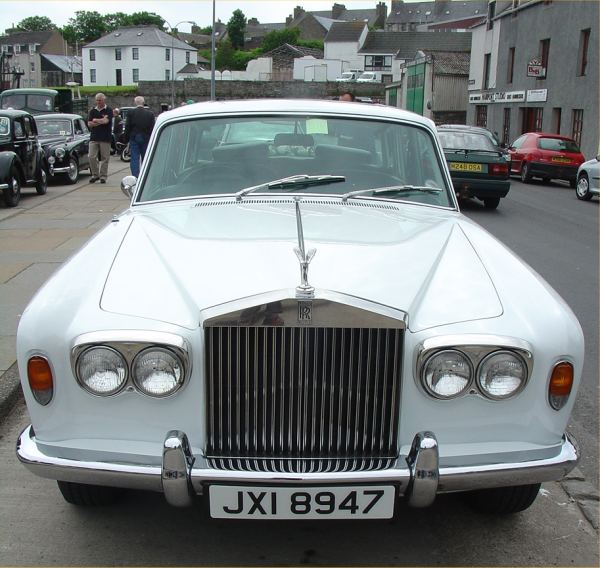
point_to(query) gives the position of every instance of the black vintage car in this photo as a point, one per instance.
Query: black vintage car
(66, 142)
(21, 156)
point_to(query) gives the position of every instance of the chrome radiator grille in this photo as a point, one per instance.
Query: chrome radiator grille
(302, 399)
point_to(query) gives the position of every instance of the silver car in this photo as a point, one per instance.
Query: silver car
(587, 179)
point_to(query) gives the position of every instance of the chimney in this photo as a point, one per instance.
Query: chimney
(253, 22)
(298, 11)
(381, 15)
(288, 21)
(337, 10)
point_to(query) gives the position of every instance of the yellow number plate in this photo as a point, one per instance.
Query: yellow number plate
(561, 160)
(460, 167)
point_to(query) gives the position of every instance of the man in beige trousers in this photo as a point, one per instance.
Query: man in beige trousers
(100, 124)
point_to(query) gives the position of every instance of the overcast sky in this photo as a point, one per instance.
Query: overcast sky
(174, 11)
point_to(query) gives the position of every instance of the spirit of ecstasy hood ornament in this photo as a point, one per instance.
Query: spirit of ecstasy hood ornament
(304, 290)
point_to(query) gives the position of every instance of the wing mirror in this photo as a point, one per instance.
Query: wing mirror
(128, 184)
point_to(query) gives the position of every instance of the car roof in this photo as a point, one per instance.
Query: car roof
(549, 135)
(57, 115)
(13, 113)
(265, 107)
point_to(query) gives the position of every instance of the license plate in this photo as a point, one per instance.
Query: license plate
(561, 160)
(461, 167)
(355, 502)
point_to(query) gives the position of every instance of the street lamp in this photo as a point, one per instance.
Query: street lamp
(173, 56)
(212, 56)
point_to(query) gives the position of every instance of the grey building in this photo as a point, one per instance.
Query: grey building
(534, 67)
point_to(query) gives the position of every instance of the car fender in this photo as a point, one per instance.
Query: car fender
(9, 159)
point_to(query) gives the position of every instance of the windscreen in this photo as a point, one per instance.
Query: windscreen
(215, 156)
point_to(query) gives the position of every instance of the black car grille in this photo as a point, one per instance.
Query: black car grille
(297, 399)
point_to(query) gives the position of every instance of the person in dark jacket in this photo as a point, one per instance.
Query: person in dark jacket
(100, 124)
(117, 129)
(138, 127)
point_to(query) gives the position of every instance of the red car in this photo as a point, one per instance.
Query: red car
(547, 156)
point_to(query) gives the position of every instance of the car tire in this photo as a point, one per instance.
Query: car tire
(503, 500)
(72, 175)
(525, 175)
(582, 189)
(491, 202)
(88, 495)
(41, 184)
(12, 194)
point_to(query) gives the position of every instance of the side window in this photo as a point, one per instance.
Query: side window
(518, 142)
(19, 130)
(78, 127)
(29, 129)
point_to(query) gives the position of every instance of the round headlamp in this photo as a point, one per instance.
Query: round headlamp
(102, 370)
(447, 374)
(157, 372)
(60, 153)
(51, 159)
(501, 374)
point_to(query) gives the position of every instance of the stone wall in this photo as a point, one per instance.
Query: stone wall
(157, 93)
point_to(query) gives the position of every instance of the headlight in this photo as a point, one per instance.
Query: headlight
(501, 374)
(447, 374)
(59, 153)
(157, 372)
(51, 159)
(102, 370)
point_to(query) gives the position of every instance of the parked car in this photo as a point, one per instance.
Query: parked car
(347, 77)
(66, 142)
(21, 156)
(478, 167)
(493, 136)
(296, 327)
(546, 156)
(588, 175)
(368, 77)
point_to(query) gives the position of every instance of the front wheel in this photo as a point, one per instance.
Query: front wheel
(41, 185)
(503, 500)
(12, 194)
(126, 154)
(88, 495)
(525, 173)
(491, 202)
(72, 175)
(583, 188)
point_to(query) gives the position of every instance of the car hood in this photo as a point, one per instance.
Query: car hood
(177, 260)
(47, 141)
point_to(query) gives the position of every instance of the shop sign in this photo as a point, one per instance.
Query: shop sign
(498, 97)
(537, 95)
(535, 69)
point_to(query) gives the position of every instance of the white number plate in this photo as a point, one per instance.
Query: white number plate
(355, 502)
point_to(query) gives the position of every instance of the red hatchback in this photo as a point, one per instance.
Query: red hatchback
(547, 156)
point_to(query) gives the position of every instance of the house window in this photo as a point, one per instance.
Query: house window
(486, 70)
(577, 125)
(378, 62)
(506, 127)
(118, 53)
(187, 56)
(584, 42)
(167, 74)
(17, 48)
(32, 66)
(544, 55)
(32, 49)
(92, 55)
(92, 75)
(167, 54)
(556, 118)
(538, 116)
(136, 75)
(135, 53)
(511, 65)
(481, 115)
(4, 48)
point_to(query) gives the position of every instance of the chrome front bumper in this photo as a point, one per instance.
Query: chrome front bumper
(417, 476)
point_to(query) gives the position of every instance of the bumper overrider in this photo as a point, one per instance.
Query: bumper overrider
(418, 476)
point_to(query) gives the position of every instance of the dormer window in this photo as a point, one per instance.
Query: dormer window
(32, 49)
(4, 48)
(17, 48)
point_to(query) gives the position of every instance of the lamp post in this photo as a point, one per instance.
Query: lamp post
(173, 56)
(212, 56)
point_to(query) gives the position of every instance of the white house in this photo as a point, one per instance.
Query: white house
(343, 41)
(132, 54)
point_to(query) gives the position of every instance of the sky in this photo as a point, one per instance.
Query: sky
(173, 11)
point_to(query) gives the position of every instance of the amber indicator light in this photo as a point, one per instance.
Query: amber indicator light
(39, 374)
(561, 381)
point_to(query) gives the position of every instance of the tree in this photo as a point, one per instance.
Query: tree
(36, 24)
(236, 29)
(85, 27)
(224, 56)
(145, 19)
(279, 37)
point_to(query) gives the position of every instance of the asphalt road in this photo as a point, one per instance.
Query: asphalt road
(557, 235)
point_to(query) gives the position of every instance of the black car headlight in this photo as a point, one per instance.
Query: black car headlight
(60, 153)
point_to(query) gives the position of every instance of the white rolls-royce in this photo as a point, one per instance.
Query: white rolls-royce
(294, 320)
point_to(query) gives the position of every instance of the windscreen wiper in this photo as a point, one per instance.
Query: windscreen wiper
(391, 189)
(291, 182)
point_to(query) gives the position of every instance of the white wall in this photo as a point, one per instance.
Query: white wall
(483, 41)
(151, 64)
(259, 69)
(311, 69)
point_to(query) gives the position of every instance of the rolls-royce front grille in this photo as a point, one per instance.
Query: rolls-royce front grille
(302, 399)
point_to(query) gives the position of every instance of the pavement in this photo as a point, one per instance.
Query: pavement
(35, 239)
(44, 230)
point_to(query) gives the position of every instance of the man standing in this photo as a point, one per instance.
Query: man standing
(138, 127)
(100, 124)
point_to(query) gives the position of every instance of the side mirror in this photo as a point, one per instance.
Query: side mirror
(128, 184)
